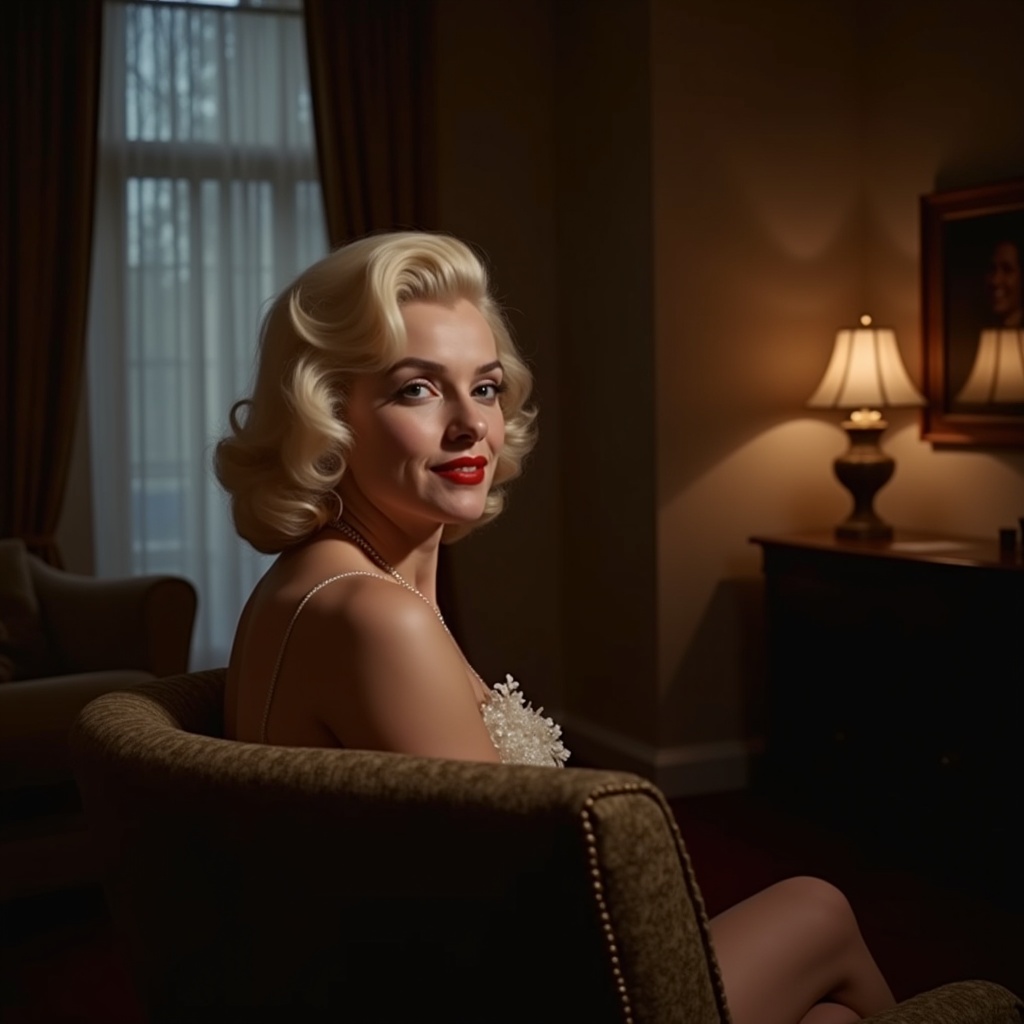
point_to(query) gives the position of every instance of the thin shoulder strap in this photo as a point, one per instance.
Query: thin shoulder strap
(288, 632)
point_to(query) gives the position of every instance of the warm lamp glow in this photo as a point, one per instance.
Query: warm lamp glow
(998, 372)
(865, 371)
(865, 374)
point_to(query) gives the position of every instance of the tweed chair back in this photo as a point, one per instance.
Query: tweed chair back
(260, 883)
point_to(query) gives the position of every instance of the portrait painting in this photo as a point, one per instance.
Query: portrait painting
(973, 315)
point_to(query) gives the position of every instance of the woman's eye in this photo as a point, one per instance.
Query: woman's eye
(489, 390)
(414, 389)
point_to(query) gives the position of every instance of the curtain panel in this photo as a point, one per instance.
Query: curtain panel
(208, 205)
(371, 77)
(48, 107)
(371, 71)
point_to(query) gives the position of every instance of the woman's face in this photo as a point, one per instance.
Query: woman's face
(1004, 283)
(428, 430)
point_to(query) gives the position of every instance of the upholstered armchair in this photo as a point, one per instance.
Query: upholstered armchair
(256, 883)
(65, 639)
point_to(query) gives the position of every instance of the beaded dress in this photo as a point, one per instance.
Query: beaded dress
(521, 734)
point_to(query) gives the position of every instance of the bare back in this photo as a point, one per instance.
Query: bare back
(357, 661)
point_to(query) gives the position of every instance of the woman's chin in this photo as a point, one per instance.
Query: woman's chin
(464, 517)
(462, 510)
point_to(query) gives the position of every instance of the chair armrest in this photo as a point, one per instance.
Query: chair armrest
(140, 622)
(961, 1002)
(36, 716)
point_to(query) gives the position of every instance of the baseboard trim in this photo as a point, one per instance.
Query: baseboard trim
(681, 770)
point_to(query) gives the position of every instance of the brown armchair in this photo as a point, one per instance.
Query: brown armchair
(64, 640)
(258, 883)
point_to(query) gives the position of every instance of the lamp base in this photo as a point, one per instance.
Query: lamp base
(864, 469)
(877, 529)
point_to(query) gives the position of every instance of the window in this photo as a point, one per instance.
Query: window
(208, 203)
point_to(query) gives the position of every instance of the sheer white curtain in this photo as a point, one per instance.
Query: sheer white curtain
(208, 203)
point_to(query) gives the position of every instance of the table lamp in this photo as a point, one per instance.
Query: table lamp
(865, 375)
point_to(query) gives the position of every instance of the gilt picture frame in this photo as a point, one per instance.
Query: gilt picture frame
(972, 315)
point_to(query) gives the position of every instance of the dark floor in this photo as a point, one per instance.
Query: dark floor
(924, 929)
(60, 962)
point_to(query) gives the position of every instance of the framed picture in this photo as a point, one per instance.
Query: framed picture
(972, 276)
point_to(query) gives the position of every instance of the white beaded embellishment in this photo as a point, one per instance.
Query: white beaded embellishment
(521, 734)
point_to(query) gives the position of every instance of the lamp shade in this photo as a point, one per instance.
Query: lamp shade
(865, 371)
(998, 372)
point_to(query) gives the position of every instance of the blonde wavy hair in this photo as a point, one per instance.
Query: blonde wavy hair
(288, 443)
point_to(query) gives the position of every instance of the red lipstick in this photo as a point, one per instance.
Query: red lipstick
(467, 471)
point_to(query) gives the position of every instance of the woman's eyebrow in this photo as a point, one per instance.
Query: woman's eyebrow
(429, 366)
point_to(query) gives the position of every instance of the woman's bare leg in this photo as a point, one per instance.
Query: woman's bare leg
(830, 1013)
(792, 946)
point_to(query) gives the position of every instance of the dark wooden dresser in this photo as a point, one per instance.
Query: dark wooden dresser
(896, 697)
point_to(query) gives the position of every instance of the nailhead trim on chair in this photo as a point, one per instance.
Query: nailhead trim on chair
(716, 971)
(595, 875)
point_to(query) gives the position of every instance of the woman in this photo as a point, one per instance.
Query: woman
(389, 412)
(1003, 285)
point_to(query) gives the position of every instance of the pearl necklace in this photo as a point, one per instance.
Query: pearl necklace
(378, 559)
(356, 537)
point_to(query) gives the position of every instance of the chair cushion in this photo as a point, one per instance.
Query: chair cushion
(24, 653)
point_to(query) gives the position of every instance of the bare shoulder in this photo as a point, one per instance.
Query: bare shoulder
(370, 607)
(381, 635)
(385, 674)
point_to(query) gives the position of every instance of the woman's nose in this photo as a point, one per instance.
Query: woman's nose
(467, 421)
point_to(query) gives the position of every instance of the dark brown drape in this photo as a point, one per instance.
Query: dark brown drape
(48, 112)
(372, 81)
(370, 69)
